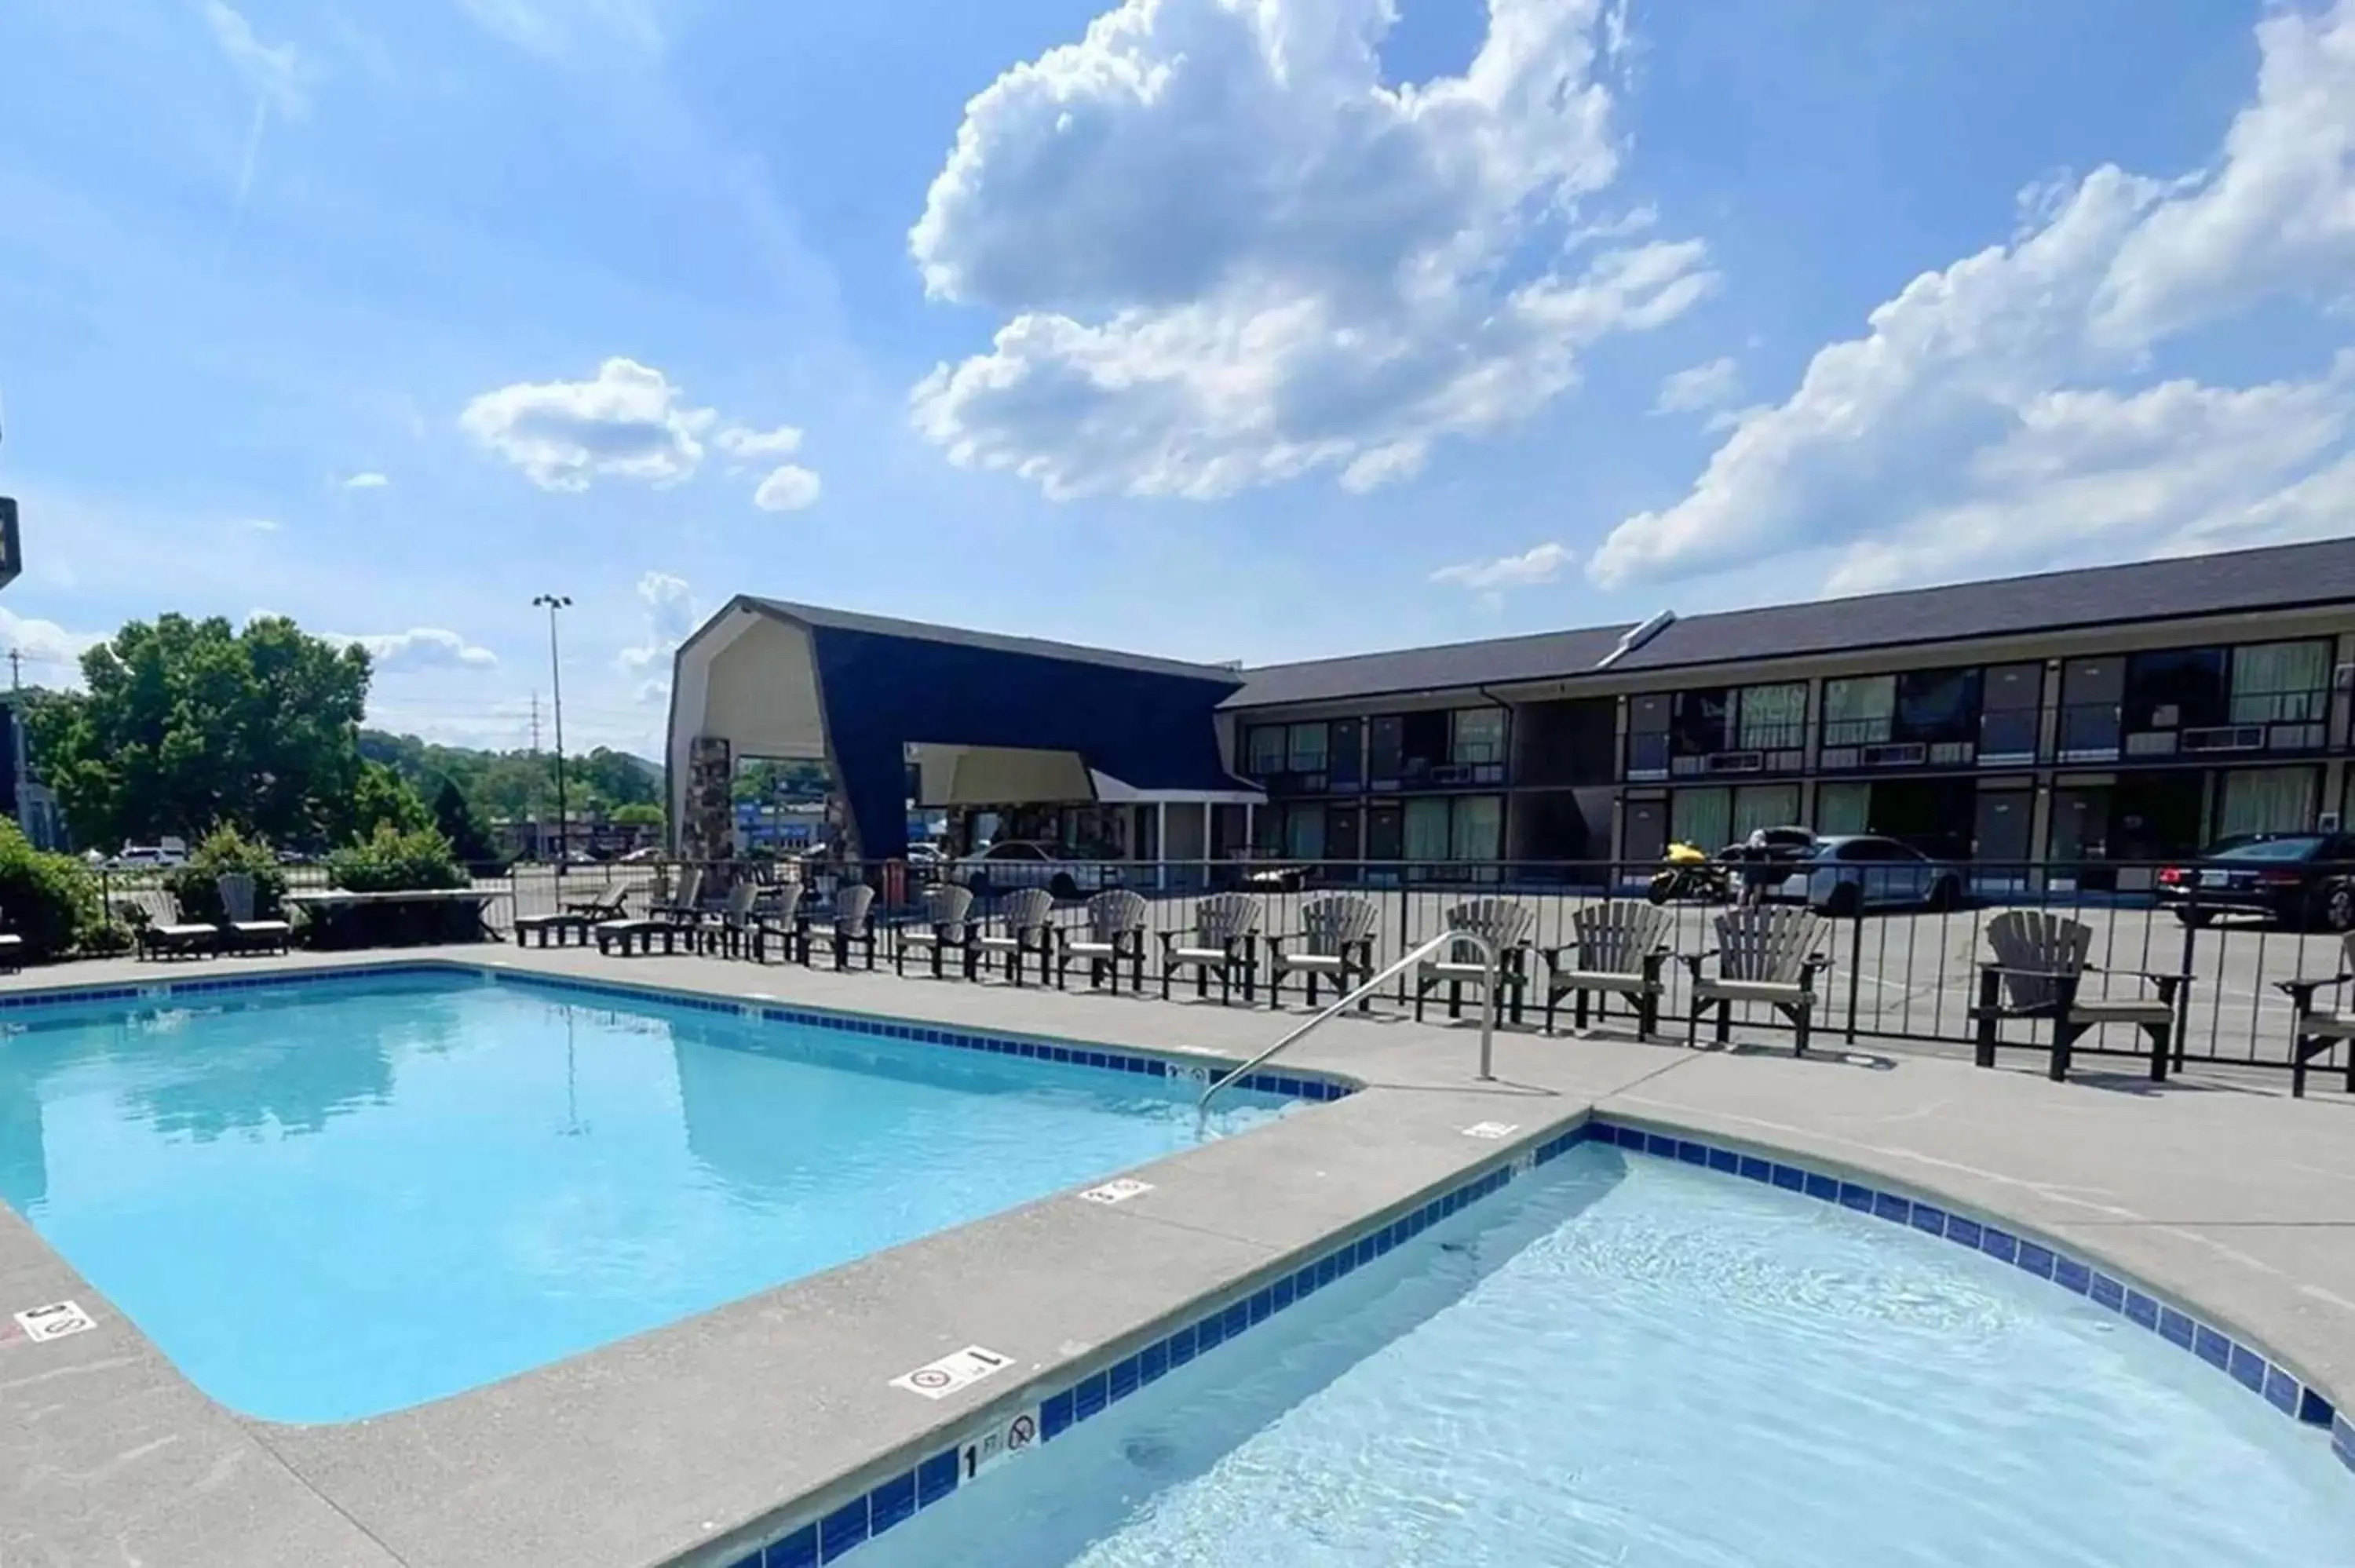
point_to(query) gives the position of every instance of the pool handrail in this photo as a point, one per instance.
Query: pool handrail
(1489, 959)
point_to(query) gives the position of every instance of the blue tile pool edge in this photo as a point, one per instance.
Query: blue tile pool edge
(824, 1536)
(1315, 1087)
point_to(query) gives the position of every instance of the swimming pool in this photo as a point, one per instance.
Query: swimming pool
(1630, 1361)
(332, 1199)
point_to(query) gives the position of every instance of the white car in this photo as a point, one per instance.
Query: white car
(163, 856)
(1018, 862)
(1848, 873)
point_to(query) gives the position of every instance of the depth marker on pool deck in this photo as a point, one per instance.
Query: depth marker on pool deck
(1492, 1129)
(1119, 1189)
(53, 1321)
(938, 1380)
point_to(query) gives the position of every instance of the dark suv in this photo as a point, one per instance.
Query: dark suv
(2299, 879)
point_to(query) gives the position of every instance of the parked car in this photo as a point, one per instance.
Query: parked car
(2299, 879)
(1018, 862)
(170, 853)
(1846, 873)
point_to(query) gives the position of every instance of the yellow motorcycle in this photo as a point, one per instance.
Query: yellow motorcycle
(1687, 872)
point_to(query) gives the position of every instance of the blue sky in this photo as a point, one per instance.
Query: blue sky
(1214, 329)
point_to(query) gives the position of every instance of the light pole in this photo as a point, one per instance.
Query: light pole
(553, 602)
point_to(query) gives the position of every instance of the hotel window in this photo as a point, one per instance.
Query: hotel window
(1478, 824)
(1702, 818)
(2281, 683)
(1843, 807)
(1263, 750)
(1858, 711)
(2266, 800)
(1308, 748)
(1303, 832)
(1479, 736)
(1426, 830)
(1759, 805)
(1772, 718)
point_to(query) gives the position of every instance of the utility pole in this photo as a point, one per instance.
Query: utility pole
(535, 723)
(16, 669)
(552, 602)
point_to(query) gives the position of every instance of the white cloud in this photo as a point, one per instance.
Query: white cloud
(787, 488)
(1539, 564)
(1996, 412)
(559, 28)
(738, 442)
(1710, 385)
(275, 73)
(419, 648)
(51, 654)
(1228, 254)
(629, 422)
(670, 616)
(367, 482)
(260, 524)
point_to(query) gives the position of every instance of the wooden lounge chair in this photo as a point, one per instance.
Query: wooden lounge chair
(242, 931)
(1335, 942)
(1617, 949)
(2315, 1031)
(1115, 931)
(1506, 925)
(1223, 942)
(2041, 961)
(1765, 953)
(158, 930)
(1023, 926)
(850, 924)
(945, 927)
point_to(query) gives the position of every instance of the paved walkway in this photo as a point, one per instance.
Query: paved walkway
(2234, 1200)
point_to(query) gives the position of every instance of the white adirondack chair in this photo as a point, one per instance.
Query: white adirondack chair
(246, 934)
(1115, 931)
(1023, 926)
(945, 927)
(1766, 953)
(1618, 949)
(2319, 1029)
(1336, 942)
(2040, 965)
(1223, 942)
(850, 926)
(1507, 926)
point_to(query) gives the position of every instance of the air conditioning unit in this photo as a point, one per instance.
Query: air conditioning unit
(1895, 754)
(1451, 773)
(1838, 757)
(1737, 762)
(2225, 737)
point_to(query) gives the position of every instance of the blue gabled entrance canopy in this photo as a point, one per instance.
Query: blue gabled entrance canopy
(779, 679)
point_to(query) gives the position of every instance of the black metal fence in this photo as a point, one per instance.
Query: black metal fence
(1904, 942)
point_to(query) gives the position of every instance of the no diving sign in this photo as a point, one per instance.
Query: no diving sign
(55, 1321)
(938, 1380)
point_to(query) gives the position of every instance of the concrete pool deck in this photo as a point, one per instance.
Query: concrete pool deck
(684, 1444)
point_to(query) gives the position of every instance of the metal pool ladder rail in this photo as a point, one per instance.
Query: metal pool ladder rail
(1488, 1008)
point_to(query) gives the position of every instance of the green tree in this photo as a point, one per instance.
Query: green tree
(187, 724)
(468, 840)
(637, 814)
(383, 798)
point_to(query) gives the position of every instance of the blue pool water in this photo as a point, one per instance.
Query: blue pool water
(1645, 1365)
(332, 1200)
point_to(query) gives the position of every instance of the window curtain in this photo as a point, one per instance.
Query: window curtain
(1764, 806)
(1303, 832)
(2281, 683)
(1308, 748)
(1843, 807)
(1858, 712)
(1480, 735)
(1702, 818)
(1266, 749)
(2266, 801)
(1773, 717)
(1426, 830)
(1478, 819)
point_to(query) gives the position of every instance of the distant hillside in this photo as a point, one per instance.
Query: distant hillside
(517, 785)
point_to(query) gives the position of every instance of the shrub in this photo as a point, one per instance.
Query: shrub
(196, 886)
(50, 900)
(104, 940)
(391, 861)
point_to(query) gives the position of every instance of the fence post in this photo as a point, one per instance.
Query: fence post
(1855, 964)
(2183, 991)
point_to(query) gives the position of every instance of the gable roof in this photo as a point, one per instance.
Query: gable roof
(821, 617)
(2281, 577)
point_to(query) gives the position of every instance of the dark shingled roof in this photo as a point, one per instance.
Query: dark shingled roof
(1537, 658)
(927, 632)
(2281, 577)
